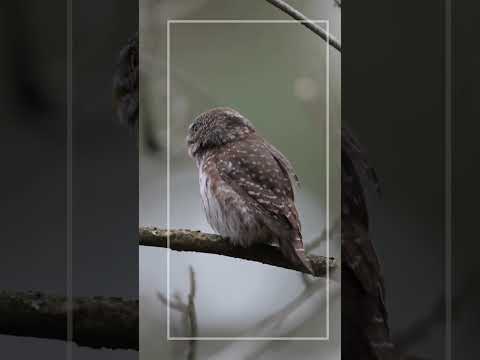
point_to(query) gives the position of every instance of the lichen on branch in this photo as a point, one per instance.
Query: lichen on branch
(196, 241)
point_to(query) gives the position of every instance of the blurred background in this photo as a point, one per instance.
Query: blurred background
(33, 97)
(275, 75)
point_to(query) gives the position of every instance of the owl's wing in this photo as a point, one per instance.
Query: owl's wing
(254, 173)
(284, 163)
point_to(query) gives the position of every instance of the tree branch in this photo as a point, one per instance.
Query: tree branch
(189, 313)
(99, 322)
(297, 15)
(196, 241)
(113, 322)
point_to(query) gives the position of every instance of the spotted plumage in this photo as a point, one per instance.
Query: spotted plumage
(246, 184)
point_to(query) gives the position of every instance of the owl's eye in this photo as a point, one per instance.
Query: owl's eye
(194, 127)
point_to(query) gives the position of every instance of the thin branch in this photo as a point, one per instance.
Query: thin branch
(335, 229)
(283, 323)
(192, 317)
(196, 241)
(113, 322)
(100, 322)
(276, 319)
(189, 313)
(297, 15)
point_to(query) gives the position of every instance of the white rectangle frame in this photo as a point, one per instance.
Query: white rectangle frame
(327, 175)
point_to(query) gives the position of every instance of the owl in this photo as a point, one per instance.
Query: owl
(246, 184)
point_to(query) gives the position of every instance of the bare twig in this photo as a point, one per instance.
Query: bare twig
(100, 322)
(316, 242)
(283, 323)
(189, 313)
(196, 241)
(297, 15)
(192, 316)
(290, 308)
(276, 319)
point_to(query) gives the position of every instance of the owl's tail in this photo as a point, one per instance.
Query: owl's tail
(292, 249)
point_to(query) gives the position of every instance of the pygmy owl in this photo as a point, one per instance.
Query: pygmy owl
(246, 184)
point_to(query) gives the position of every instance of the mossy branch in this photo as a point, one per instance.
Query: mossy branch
(99, 322)
(196, 241)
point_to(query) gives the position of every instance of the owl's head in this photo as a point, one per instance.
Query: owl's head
(217, 127)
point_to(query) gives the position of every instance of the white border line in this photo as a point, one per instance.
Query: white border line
(168, 180)
(327, 175)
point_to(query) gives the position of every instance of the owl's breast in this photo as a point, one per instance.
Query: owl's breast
(227, 212)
